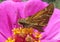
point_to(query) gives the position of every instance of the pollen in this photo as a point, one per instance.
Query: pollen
(37, 35)
(24, 35)
(37, 41)
(10, 40)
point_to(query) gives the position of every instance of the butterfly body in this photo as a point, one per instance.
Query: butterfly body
(38, 20)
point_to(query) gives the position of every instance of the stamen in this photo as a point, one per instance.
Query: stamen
(3, 35)
(10, 40)
(24, 34)
(29, 39)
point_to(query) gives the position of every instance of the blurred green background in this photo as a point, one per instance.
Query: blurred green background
(56, 2)
(1, 0)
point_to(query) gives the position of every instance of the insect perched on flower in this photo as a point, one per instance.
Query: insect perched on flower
(38, 20)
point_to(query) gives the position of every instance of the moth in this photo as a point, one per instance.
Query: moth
(38, 20)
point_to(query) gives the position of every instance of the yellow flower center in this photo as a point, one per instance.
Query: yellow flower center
(24, 35)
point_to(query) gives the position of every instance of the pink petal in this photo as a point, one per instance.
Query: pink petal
(49, 40)
(53, 26)
(4, 23)
(21, 6)
(8, 15)
(2, 39)
(57, 37)
(14, 0)
(33, 7)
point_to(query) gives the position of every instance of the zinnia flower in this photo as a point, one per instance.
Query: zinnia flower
(11, 11)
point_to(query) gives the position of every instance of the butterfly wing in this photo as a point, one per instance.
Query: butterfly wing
(42, 17)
